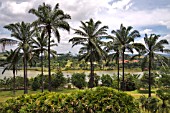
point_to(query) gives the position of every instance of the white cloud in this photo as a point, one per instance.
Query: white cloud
(119, 11)
(122, 4)
(167, 37)
(147, 31)
(17, 8)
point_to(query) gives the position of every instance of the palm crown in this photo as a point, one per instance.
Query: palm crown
(89, 37)
(153, 47)
(50, 20)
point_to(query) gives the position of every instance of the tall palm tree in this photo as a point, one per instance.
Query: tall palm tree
(113, 50)
(11, 62)
(89, 37)
(6, 41)
(152, 46)
(40, 48)
(125, 37)
(23, 33)
(51, 20)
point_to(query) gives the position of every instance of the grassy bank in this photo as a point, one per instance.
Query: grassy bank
(4, 95)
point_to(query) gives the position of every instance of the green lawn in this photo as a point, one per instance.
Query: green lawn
(4, 95)
(138, 93)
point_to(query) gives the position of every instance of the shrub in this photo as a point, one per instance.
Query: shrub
(58, 80)
(164, 95)
(35, 84)
(150, 104)
(107, 80)
(79, 80)
(98, 100)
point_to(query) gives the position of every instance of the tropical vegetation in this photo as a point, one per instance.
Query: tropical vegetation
(98, 51)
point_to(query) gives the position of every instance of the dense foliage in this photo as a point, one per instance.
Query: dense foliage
(107, 80)
(79, 80)
(100, 99)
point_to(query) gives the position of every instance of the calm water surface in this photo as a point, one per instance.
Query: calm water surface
(31, 73)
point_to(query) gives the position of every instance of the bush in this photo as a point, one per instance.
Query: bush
(79, 80)
(36, 84)
(150, 104)
(98, 100)
(107, 80)
(58, 80)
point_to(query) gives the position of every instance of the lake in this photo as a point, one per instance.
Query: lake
(31, 73)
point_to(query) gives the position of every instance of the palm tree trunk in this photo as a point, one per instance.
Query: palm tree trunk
(49, 68)
(91, 81)
(42, 71)
(25, 74)
(149, 75)
(123, 76)
(118, 70)
(14, 80)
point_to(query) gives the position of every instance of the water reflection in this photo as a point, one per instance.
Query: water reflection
(31, 73)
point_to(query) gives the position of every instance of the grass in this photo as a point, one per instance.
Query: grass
(5, 95)
(137, 93)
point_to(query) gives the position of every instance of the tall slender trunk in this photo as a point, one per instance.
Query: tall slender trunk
(118, 70)
(123, 71)
(26, 77)
(42, 71)
(49, 68)
(14, 80)
(149, 75)
(25, 74)
(91, 82)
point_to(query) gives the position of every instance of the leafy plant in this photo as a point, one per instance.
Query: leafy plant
(107, 80)
(98, 100)
(79, 80)
(58, 80)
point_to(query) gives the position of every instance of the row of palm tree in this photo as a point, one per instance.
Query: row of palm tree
(36, 38)
(90, 36)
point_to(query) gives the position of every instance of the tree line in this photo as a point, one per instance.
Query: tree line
(34, 41)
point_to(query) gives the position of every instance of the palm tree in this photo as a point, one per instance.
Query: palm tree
(39, 48)
(125, 38)
(23, 33)
(6, 41)
(51, 20)
(11, 62)
(152, 46)
(89, 37)
(113, 47)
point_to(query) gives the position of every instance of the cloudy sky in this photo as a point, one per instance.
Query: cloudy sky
(146, 16)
